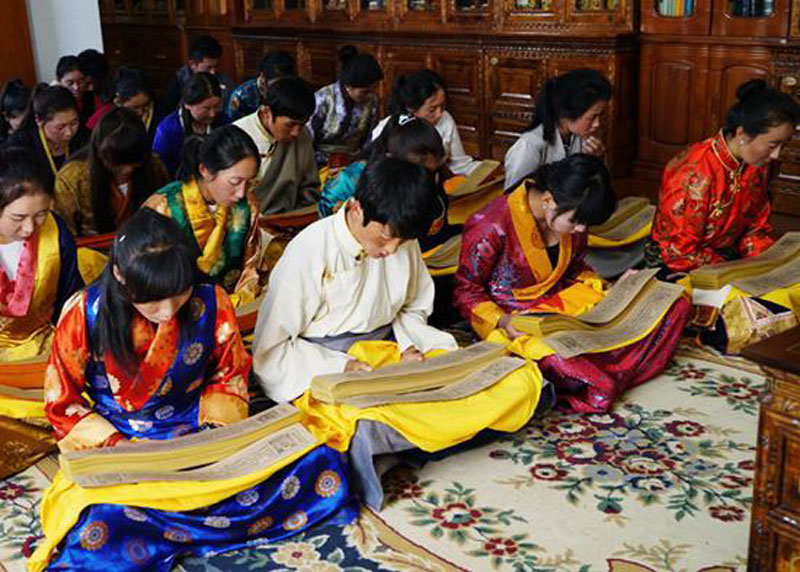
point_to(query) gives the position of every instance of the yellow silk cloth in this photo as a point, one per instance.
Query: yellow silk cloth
(461, 208)
(22, 445)
(91, 264)
(22, 408)
(600, 242)
(64, 501)
(742, 326)
(432, 426)
(30, 336)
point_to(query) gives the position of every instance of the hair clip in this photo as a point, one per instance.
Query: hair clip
(121, 238)
(405, 119)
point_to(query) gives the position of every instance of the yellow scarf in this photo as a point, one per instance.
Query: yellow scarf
(209, 231)
(47, 152)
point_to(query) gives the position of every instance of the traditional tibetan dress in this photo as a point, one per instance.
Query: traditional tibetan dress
(505, 268)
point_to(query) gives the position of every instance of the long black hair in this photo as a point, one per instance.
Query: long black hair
(580, 182)
(410, 91)
(155, 260)
(568, 96)
(199, 87)
(20, 175)
(119, 138)
(220, 150)
(14, 101)
(759, 108)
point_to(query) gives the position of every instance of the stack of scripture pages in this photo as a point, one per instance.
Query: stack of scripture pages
(632, 307)
(468, 369)
(223, 453)
(776, 267)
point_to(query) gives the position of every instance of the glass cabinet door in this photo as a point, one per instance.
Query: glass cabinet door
(674, 8)
(751, 18)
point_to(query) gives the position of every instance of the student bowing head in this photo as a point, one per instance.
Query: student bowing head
(395, 201)
(222, 164)
(25, 196)
(569, 195)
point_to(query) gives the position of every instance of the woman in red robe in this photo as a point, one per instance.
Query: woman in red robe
(713, 205)
(524, 254)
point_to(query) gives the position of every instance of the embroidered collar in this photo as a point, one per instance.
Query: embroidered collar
(344, 237)
(724, 154)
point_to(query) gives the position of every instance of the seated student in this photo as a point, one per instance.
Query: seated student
(413, 139)
(51, 130)
(215, 207)
(149, 351)
(524, 253)
(131, 90)
(38, 265)
(288, 177)
(246, 98)
(358, 276)
(96, 71)
(567, 120)
(346, 111)
(198, 114)
(102, 185)
(713, 204)
(14, 102)
(204, 55)
(69, 74)
(422, 94)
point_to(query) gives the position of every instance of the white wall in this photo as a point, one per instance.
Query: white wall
(61, 27)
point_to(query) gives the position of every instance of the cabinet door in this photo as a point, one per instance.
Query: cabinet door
(730, 67)
(690, 17)
(751, 18)
(672, 99)
(399, 60)
(512, 82)
(461, 72)
(320, 64)
(249, 52)
(785, 185)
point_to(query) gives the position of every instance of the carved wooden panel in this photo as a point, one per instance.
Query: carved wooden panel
(786, 184)
(250, 50)
(672, 99)
(730, 67)
(461, 73)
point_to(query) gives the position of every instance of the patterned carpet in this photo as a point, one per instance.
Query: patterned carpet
(663, 483)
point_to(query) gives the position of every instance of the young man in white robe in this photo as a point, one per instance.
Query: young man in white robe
(359, 275)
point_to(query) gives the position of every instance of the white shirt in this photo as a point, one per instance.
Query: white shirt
(264, 141)
(324, 285)
(9, 257)
(457, 159)
(531, 150)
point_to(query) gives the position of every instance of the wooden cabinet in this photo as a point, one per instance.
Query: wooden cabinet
(775, 524)
(785, 185)
(694, 56)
